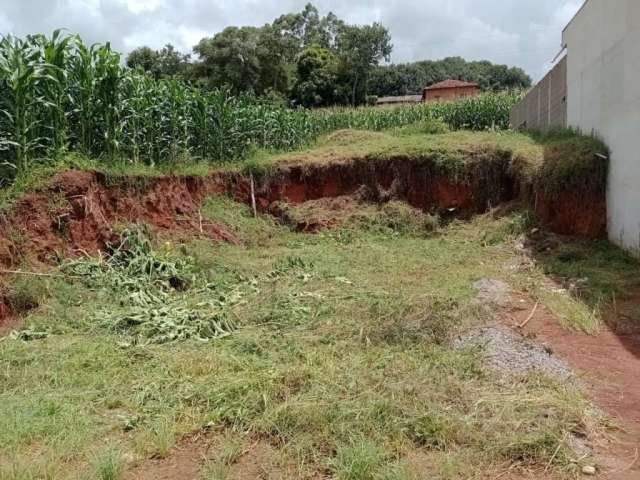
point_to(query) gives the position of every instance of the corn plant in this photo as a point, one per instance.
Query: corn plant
(58, 95)
(21, 76)
(150, 286)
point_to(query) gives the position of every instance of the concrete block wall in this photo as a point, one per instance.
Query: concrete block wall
(545, 105)
(603, 79)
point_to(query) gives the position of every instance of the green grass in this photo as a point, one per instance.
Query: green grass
(604, 271)
(359, 460)
(346, 145)
(108, 465)
(39, 176)
(343, 145)
(549, 163)
(341, 357)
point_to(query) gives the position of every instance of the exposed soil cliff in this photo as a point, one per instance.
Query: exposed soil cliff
(78, 211)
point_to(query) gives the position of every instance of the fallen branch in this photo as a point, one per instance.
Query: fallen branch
(253, 196)
(533, 312)
(38, 274)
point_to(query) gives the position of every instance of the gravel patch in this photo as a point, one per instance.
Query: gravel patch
(492, 292)
(508, 352)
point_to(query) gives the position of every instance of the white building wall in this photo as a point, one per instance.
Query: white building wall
(603, 80)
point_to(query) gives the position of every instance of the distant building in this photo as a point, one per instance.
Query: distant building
(450, 90)
(401, 100)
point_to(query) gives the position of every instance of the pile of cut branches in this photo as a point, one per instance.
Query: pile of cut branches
(154, 295)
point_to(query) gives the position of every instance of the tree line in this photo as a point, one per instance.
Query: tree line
(411, 78)
(312, 60)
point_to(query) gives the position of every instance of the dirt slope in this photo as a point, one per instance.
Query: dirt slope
(78, 211)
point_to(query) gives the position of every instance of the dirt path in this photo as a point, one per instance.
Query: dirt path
(194, 458)
(609, 365)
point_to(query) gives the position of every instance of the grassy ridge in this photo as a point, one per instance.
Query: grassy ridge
(553, 162)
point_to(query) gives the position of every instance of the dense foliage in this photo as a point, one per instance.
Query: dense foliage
(302, 58)
(167, 62)
(411, 78)
(275, 58)
(489, 111)
(311, 60)
(58, 96)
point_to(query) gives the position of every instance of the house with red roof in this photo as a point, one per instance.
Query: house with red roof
(450, 90)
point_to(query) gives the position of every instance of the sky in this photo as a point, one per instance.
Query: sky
(523, 33)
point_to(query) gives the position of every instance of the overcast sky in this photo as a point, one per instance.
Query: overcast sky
(524, 33)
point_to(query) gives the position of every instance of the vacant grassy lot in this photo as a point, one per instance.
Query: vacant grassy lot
(333, 350)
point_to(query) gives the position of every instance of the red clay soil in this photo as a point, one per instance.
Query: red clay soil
(77, 211)
(425, 187)
(417, 183)
(8, 321)
(186, 461)
(4, 309)
(608, 364)
(573, 213)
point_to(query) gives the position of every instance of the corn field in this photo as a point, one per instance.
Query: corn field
(58, 95)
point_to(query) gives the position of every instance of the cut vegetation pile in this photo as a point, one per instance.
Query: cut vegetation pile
(157, 298)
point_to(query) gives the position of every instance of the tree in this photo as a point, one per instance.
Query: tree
(360, 49)
(231, 59)
(142, 57)
(171, 62)
(317, 77)
(277, 70)
(167, 62)
(264, 59)
(307, 28)
(245, 59)
(298, 55)
(315, 60)
(411, 78)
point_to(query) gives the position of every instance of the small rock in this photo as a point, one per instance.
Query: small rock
(589, 470)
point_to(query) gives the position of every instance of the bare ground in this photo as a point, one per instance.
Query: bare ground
(608, 364)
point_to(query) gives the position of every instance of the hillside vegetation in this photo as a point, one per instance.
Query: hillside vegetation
(60, 98)
(412, 78)
(305, 58)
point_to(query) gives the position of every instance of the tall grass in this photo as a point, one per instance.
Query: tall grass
(58, 95)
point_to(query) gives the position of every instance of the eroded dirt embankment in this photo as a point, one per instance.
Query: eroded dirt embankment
(573, 212)
(77, 211)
